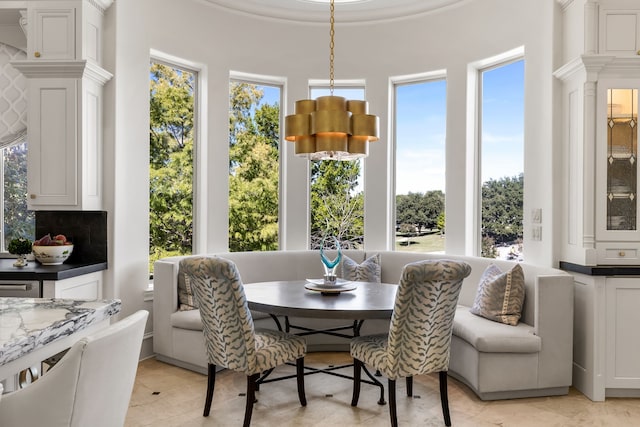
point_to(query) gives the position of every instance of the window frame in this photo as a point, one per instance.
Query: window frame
(473, 240)
(23, 139)
(394, 83)
(324, 84)
(199, 231)
(281, 83)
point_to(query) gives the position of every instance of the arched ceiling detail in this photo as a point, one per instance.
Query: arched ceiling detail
(346, 11)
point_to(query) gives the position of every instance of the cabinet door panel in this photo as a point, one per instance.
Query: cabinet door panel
(623, 337)
(619, 32)
(54, 35)
(617, 174)
(52, 157)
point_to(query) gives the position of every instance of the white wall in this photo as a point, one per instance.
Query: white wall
(223, 41)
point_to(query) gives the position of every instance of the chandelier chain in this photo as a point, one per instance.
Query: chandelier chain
(331, 47)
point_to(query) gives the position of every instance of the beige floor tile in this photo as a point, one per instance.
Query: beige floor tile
(165, 395)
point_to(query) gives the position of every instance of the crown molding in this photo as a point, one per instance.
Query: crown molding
(63, 69)
(101, 5)
(596, 66)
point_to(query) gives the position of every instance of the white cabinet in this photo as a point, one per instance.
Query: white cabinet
(66, 82)
(622, 334)
(66, 30)
(606, 340)
(619, 28)
(86, 286)
(64, 169)
(53, 142)
(617, 172)
(52, 31)
(600, 213)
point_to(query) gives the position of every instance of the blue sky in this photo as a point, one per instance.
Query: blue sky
(421, 127)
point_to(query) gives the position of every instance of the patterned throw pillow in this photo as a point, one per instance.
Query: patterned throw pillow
(186, 298)
(368, 271)
(500, 296)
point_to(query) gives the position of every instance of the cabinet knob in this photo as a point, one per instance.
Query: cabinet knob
(621, 254)
(36, 54)
(638, 52)
(32, 196)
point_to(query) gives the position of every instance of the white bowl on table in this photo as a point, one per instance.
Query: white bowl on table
(52, 255)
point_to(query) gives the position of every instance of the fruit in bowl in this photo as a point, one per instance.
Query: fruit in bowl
(52, 250)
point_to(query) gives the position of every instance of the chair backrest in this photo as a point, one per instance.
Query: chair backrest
(422, 320)
(90, 386)
(226, 320)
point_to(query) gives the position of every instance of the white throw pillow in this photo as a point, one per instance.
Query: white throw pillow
(368, 271)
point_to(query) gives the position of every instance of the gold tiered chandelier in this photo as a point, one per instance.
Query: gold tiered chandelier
(331, 127)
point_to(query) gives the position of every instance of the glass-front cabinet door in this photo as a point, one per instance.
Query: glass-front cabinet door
(622, 159)
(617, 203)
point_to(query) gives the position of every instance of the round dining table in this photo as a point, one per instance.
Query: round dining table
(363, 300)
(292, 298)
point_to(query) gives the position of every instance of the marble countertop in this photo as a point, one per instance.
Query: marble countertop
(27, 324)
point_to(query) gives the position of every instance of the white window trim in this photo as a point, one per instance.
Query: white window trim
(394, 82)
(280, 82)
(200, 134)
(473, 214)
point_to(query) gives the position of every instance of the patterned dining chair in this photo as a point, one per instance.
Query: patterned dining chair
(231, 340)
(419, 335)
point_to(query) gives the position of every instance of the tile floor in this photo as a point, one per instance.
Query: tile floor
(165, 395)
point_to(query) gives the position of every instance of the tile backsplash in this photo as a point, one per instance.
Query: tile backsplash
(87, 230)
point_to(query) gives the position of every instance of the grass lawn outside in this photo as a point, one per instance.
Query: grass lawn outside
(426, 243)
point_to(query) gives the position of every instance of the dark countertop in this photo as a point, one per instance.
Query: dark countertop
(36, 271)
(601, 270)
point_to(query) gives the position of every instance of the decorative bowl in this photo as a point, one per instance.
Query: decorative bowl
(52, 255)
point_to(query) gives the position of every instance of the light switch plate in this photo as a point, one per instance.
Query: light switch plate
(536, 233)
(536, 215)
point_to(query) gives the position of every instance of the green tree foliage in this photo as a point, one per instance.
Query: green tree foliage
(254, 132)
(171, 162)
(420, 210)
(502, 209)
(440, 222)
(337, 208)
(18, 221)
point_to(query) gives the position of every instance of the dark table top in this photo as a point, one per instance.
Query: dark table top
(36, 271)
(291, 298)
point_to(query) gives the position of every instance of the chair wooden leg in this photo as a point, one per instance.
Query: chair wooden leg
(409, 386)
(251, 398)
(300, 380)
(444, 397)
(211, 383)
(357, 372)
(392, 403)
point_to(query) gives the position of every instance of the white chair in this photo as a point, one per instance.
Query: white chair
(229, 334)
(419, 336)
(90, 386)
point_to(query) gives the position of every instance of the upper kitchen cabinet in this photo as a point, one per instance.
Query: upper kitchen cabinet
(52, 32)
(619, 28)
(617, 178)
(65, 80)
(66, 30)
(600, 83)
(64, 161)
